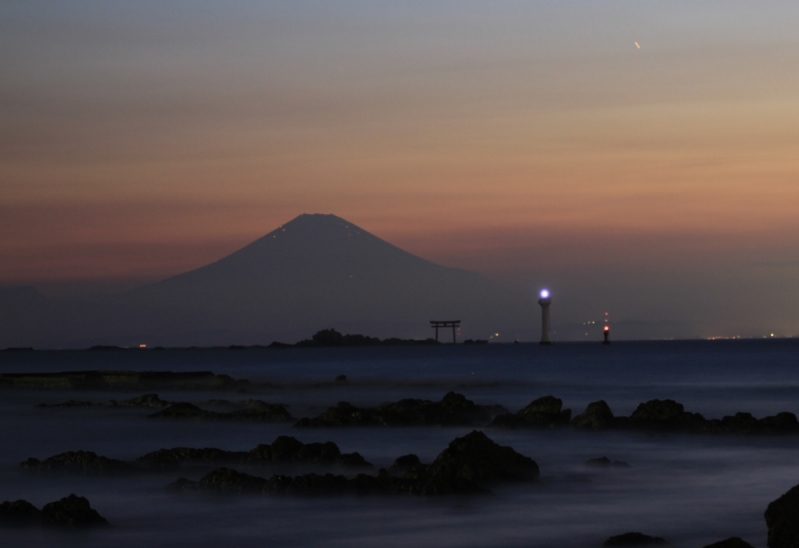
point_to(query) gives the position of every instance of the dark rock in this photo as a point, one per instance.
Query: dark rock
(19, 513)
(341, 378)
(261, 452)
(633, 539)
(183, 410)
(227, 480)
(658, 411)
(604, 462)
(70, 403)
(71, 511)
(782, 520)
(453, 410)
(741, 423)
(263, 412)
(285, 449)
(125, 380)
(459, 469)
(477, 458)
(171, 459)
(596, 416)
(406, 463)
(230, 481)
(80, 463)
(147, 400)
(781, 423)
(353, 460)
(544, 412)
(665, 414)
(732, 542)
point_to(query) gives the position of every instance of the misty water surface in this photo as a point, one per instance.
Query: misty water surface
(690, 489)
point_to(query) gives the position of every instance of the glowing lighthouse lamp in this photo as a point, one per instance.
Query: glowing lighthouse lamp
(545, 301)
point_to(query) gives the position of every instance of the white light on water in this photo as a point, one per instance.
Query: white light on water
(545, 293)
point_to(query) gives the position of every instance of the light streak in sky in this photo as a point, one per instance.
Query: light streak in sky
(636, 45)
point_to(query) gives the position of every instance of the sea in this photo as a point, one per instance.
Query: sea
(690, 489)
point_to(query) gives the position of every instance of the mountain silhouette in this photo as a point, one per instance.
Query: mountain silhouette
(315, 272)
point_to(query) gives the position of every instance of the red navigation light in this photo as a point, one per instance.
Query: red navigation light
(607, 328)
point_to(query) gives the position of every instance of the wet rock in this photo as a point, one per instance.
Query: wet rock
(79, 463)
(634, 539)
(604, 462)
(782, 520)
(70, 403)
(597, 416)
(225, 480)
(740, 423)
(781, 423)
(318, 452)
(477, 458)
(285, 449)
(19, 513)
(171, 459)
(263, 412)
(352, 460)
(732, 542)
(746, 424)
(658, 411)
(183, 410)
(71, 511)
(146, 400)
(231, 481)
(665, 414)
(546, 412)
(462, 468)
(453, 410)
(125, 380)
(406, 463)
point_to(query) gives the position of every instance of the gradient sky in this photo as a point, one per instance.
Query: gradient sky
(531, 141)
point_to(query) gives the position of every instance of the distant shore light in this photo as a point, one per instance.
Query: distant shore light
(545, 293)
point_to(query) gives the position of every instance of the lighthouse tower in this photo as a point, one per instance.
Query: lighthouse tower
(545, 301)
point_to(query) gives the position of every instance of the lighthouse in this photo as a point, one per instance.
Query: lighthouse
(545, 301)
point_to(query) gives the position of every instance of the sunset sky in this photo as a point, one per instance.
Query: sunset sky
(636, 157)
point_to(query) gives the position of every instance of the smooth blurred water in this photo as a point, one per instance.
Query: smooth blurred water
(693, 490)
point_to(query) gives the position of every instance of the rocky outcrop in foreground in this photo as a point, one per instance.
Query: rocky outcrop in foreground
(453, 410)
(466, 466)
(782, 520)
(285, 449)
(72, 511)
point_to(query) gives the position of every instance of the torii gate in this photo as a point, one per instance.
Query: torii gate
(454, 324)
